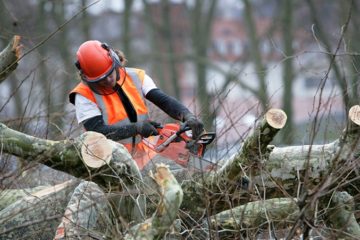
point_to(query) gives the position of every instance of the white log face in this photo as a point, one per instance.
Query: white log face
(276, 118)
(354, 114)
(96, 150)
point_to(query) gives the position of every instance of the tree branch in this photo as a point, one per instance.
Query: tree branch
(9, 57)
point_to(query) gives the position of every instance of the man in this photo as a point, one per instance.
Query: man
(111, 100)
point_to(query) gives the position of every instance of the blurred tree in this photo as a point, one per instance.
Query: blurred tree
(62, 41)
(325, 40)
(43, 77)
(202, 16)
(126, 29)
(154, 46)
(352, 43)
(167, 33)
(165, 29)
(85, 21)
(288, 71)
(255, 54)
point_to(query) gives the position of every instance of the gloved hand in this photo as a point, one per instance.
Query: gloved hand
(197, 127)
(147, 128)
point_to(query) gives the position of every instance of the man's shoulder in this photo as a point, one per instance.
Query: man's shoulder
(83, 90)
(134, 70)
(140, 73)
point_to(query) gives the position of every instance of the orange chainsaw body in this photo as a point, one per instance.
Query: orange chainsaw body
(176, 143)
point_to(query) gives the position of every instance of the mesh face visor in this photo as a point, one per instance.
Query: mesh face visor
(102, 85)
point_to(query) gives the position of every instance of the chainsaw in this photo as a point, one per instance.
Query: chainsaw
(172, 135)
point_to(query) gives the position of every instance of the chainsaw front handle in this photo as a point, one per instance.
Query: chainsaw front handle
(183, 129)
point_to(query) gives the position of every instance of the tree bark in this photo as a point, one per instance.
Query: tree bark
(37, 215)
(9, 196)
(277, 211)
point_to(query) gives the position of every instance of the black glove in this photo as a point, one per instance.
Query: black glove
(197, 127)
(147, 128)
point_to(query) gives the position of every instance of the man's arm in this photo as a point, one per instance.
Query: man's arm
(168, 104)
(115, 133)
(176, 110)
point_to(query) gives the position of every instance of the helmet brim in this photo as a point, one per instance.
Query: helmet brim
(102, 77)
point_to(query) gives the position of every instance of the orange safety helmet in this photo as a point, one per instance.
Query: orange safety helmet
(96, 60)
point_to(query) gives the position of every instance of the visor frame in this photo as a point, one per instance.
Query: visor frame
(102, 77)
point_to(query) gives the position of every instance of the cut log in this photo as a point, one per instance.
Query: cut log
(254, 149)
(237, 173)
(354, 114)
(275, 171)
(277, 212)
(9, 57)
(96, 150)
(69, 155)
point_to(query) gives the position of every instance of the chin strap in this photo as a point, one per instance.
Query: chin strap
(117, 73)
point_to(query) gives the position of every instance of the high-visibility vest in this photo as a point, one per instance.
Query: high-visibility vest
(111, 107)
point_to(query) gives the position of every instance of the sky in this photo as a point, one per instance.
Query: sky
(117, 5)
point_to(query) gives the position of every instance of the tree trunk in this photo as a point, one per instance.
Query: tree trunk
(288, 71)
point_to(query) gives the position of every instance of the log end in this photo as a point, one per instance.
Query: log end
(96, 150)
(354, 114)
(162, 175)
(276, 118)
(16, 46)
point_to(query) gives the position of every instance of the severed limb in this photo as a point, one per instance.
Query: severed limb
(277, 171)
(9, 57)
(254, 150)
(340, 216)
(234, 177)
(277, 211)
(171, 196)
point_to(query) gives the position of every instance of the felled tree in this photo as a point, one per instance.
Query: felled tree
(262, 186)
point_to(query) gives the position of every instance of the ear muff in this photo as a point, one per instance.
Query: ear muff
(113, 54)
(77, 65)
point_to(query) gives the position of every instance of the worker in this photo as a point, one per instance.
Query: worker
(110, 99)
